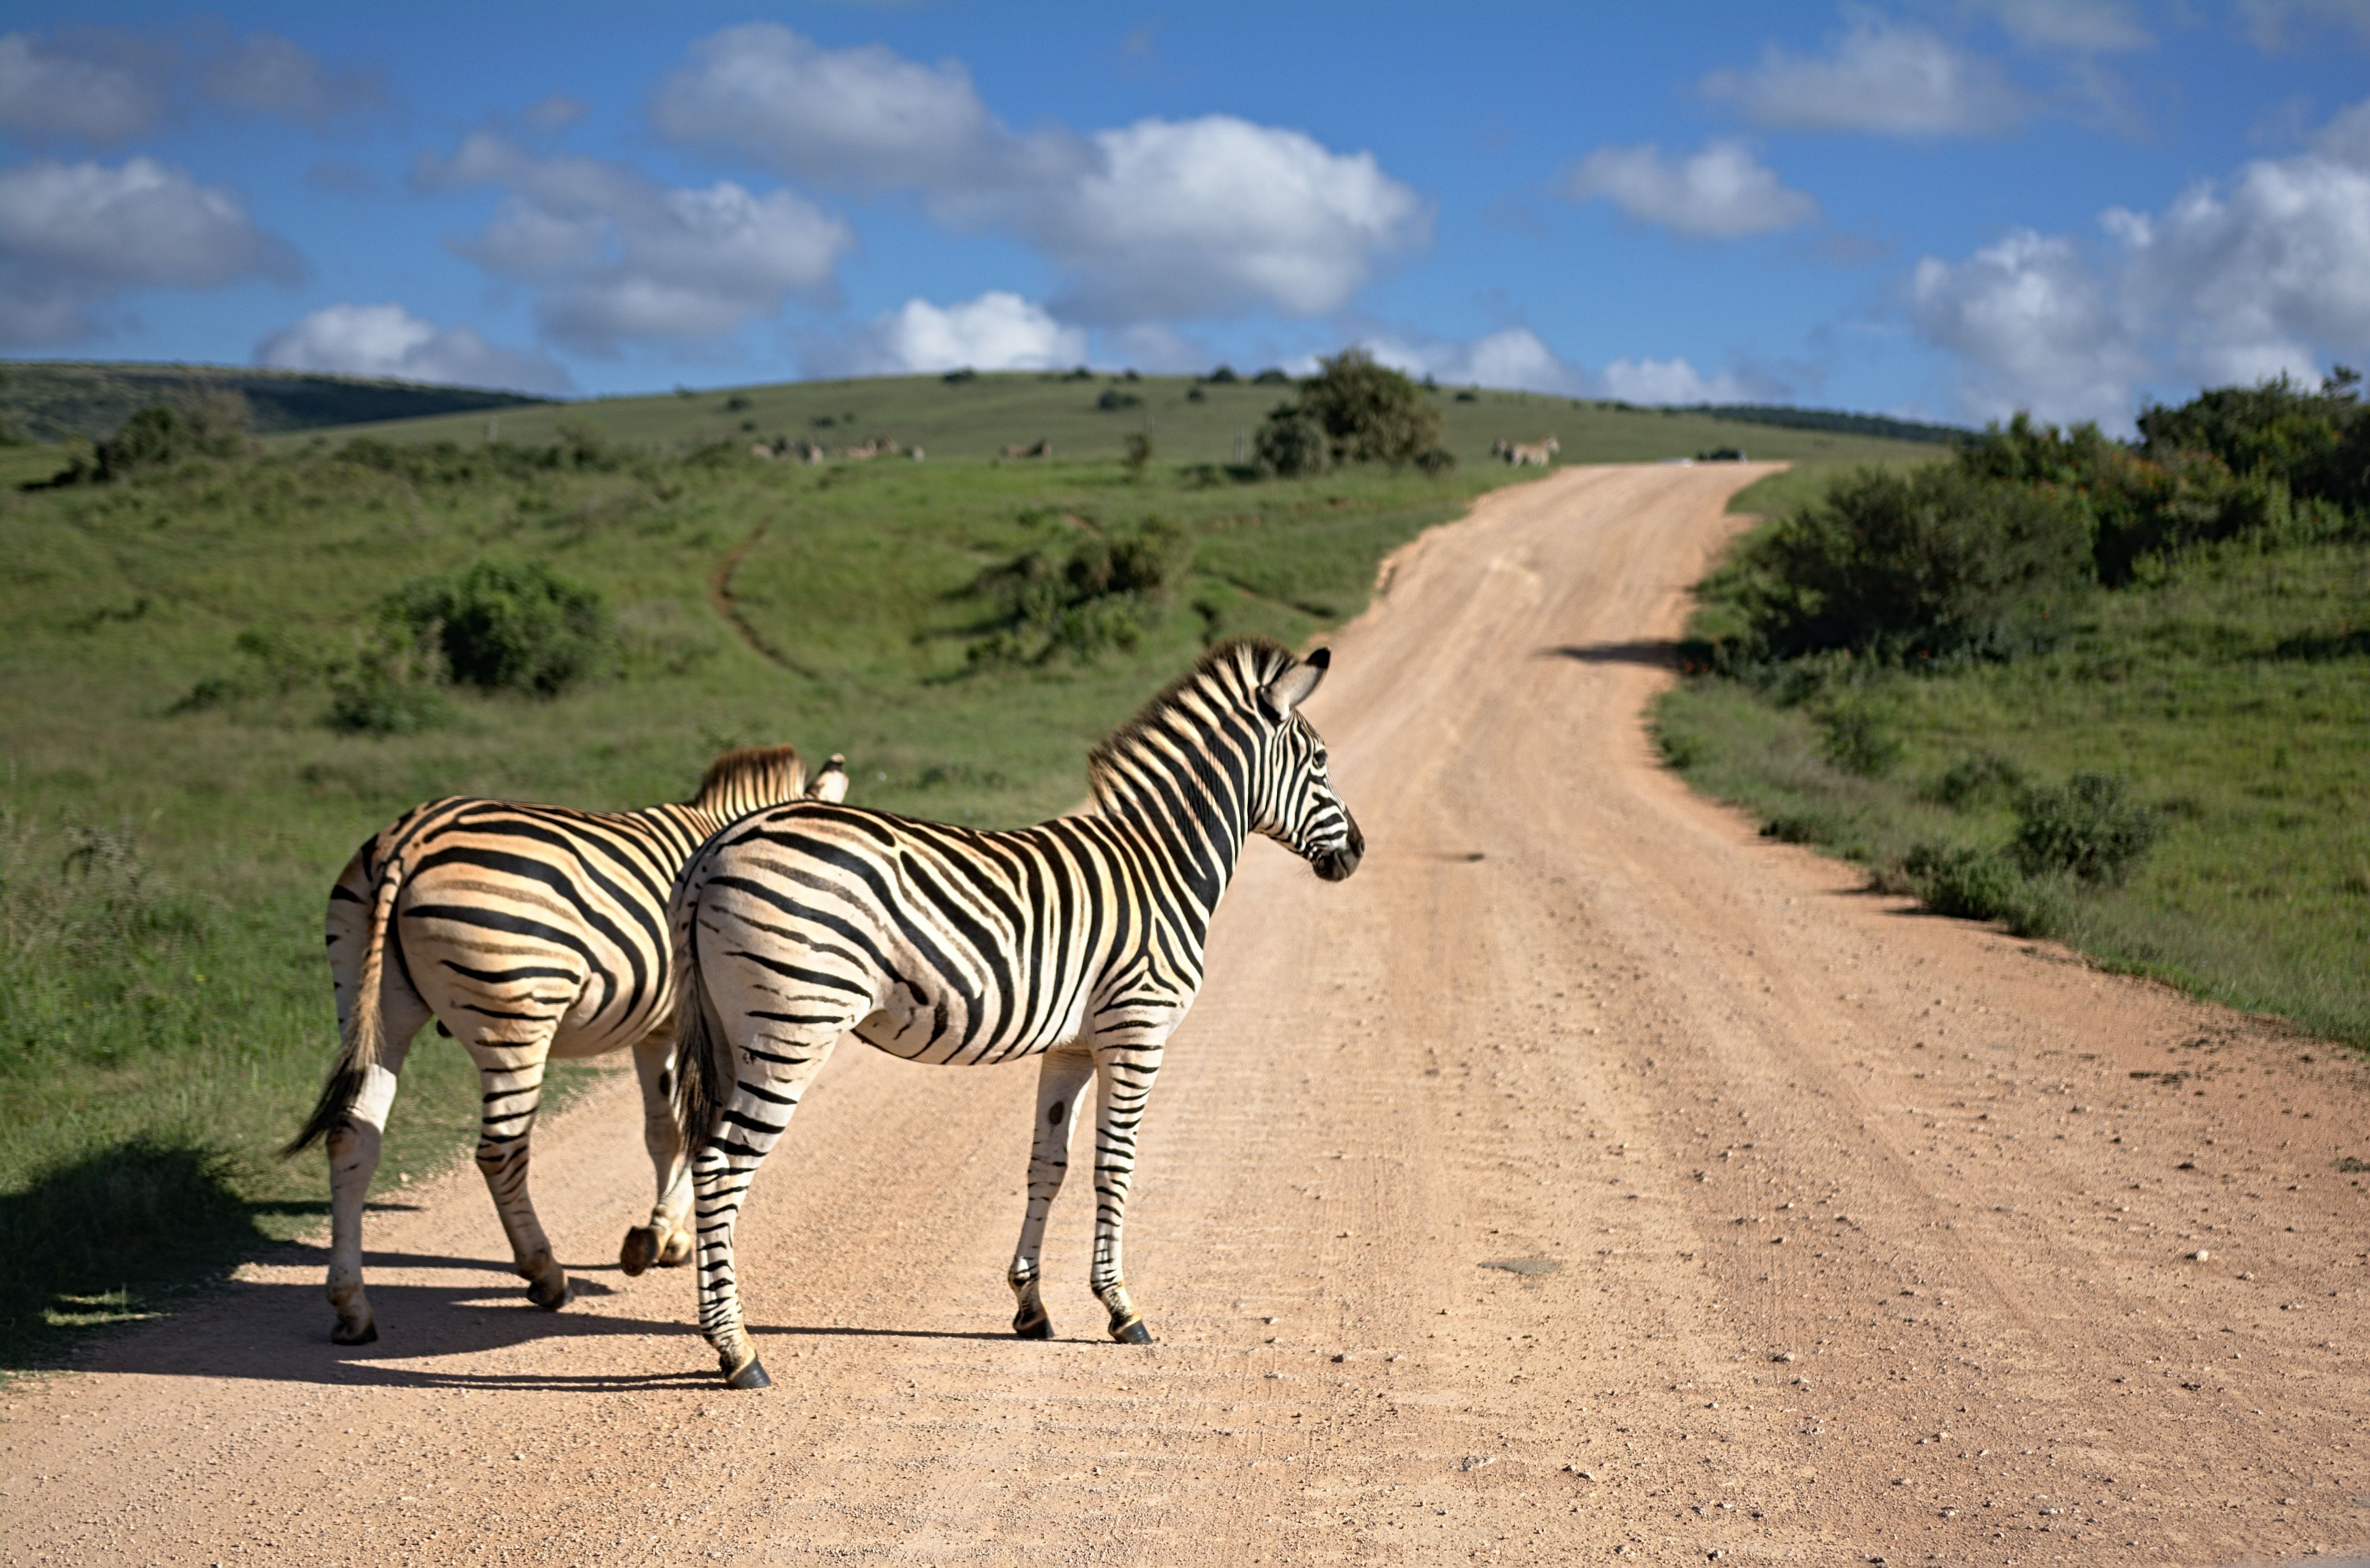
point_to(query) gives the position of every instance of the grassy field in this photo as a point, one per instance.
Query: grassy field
(2229, 687)
(981, 416)
(49, 400)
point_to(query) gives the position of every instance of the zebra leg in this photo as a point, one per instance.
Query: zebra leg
(1123, 1075)
(1060, 1078)
(771, 1081)
(512, 1077)
(354, 1148)
(666, 1240)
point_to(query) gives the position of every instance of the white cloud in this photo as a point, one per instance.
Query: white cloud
(2278, 24)
(2084, 27)
(71, 235)
(2035, 326)
(1162, 218)
(1511, 359)
(1893, 80)
(995, 331)
(101, 84)
(386, 339)
(1215, 216)
(618, 258)
(2346, 138)
(1669, 381)
(2270, 276)
(106, 85)
(1721, 193)
(267, 73)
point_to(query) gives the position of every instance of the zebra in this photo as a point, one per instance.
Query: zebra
(525, 932)
(1079, 940)
(1536, 454)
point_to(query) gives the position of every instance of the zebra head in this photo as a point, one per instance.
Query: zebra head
(1291, 799)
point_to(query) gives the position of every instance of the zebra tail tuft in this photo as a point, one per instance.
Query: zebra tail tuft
(364, 1040)
(700, 1068)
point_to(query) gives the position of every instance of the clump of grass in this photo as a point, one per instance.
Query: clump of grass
(1977, 780)
(2090, 828)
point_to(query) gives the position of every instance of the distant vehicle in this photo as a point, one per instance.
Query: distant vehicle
(1721, 454)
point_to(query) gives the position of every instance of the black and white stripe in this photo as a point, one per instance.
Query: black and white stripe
(1079, 940)
(525, 932)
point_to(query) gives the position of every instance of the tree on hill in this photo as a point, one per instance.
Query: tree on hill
(1364, 412)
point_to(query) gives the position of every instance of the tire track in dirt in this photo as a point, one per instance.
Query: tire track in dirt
(1845, 1232)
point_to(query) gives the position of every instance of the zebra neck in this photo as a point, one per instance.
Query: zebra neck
(1191, 812)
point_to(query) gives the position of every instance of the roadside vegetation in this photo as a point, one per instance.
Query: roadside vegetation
(2114, 693)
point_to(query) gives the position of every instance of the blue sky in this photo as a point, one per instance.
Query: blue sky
(1951, 209)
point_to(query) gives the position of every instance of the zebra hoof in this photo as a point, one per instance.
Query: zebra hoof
(640, 1249)
(1132, 1332)
(1040, 1327)
(345, 1333)
(549, 1294)
(750, 1377)
(677, 1251)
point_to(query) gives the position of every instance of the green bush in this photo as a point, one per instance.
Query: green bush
(514, 625)
(1291, 444)
(1104, 594)
(1369, 412)
(1967, 883)
(1974, 780)
(1135, 452)
(2090, 828)
(1858, 738)
(1908, 566)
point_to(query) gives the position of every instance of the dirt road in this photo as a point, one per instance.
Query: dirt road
(1586, 1177)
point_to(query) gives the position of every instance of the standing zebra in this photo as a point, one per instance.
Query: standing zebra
(1079, 940)
(526, 932)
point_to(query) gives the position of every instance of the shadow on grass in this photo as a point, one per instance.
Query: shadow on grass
(1657, 654)
(114, 1237)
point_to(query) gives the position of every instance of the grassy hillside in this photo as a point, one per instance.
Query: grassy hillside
(45, 400)
(979, 415)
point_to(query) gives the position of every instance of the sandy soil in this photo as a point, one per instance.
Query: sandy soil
(1836, 1233)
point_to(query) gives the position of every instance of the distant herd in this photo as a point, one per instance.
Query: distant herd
(1539, 454)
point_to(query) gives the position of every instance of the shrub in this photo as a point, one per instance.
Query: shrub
(1369, 413)
(1223, 376)
(1976, 779)
(1856, 738)
(512, 625)
(1136, 453)
(1270, 376)
(2089, 828)
(1103, 594)
(1936, 562)
(1114, 400)
(1291, 443)
(1436, 461)
(1971, 885)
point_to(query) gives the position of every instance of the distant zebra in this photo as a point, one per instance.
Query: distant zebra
(526, 932)
(1043, 448)
(1079, 940)
(1536, 454)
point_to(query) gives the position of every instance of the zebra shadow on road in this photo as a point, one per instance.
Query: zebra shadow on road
(1659, 653)
(448, 1335)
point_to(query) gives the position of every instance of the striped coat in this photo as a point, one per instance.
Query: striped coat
(1078, 940)
(525, 932)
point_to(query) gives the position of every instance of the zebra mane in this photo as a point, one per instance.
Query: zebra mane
(1238, 667)
(750, 777)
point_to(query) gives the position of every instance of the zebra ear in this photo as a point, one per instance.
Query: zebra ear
(1292, 688)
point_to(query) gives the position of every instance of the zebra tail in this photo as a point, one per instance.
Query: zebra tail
(364, 1040)
(702, 1064)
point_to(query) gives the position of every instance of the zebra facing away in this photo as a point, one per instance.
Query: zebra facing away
(1079, 940)
(525, 932)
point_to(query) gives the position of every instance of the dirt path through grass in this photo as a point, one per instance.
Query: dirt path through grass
(1586, 1175)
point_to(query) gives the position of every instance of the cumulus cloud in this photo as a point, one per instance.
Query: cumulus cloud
(106, 85)
(73, 235)
(2084, 27)
(386, 339)
(995, 331)
(266, 73)
(2225, 284)
(1883, 78)
(1669, 381)
(1511, 359)
(99, 85)
(1722, 193)
(2279, 25)
(617, 258)
(1161, 218)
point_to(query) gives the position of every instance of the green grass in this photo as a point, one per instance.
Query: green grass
(979, 417)
(2231, 689)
